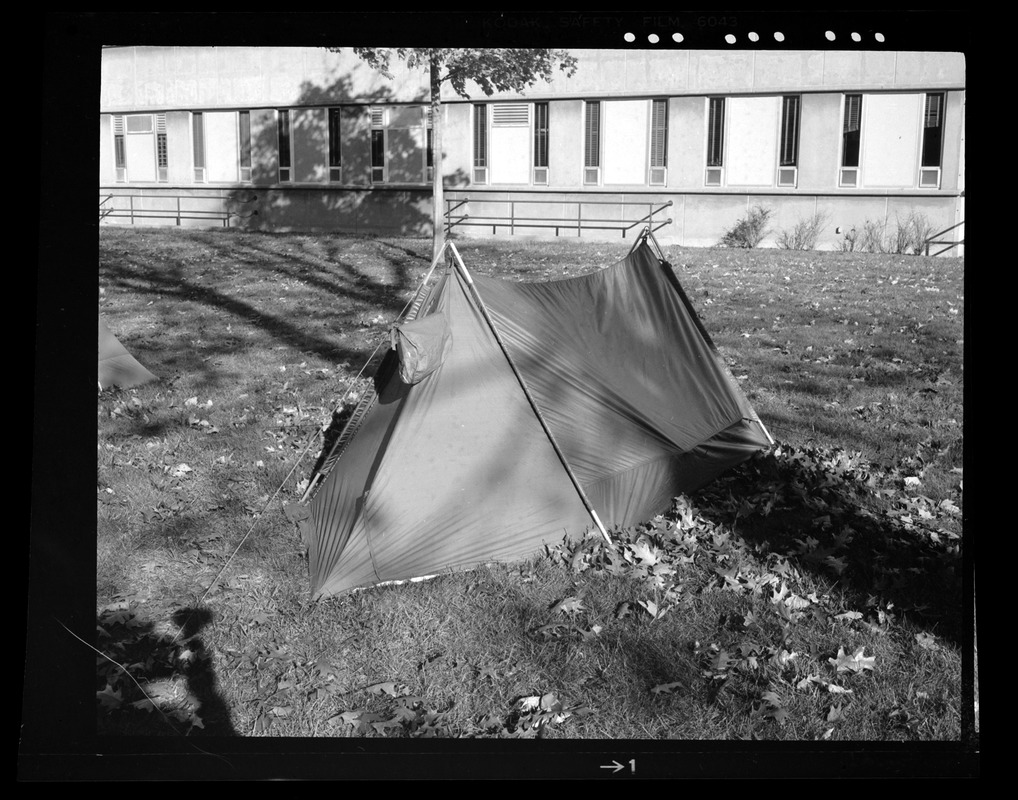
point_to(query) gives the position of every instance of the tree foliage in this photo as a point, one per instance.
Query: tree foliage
(510, 69)
(491, 69)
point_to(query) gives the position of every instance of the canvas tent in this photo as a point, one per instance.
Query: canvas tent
(117, 367)
(507, 415)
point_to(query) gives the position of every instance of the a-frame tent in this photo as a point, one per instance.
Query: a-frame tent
(117, 367)
(508, 415)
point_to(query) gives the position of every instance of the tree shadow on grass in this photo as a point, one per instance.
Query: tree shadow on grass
(171, 687)
(892, 551)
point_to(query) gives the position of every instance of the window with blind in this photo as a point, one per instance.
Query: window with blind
(198, 146)
(162, 155)
(480, 143)
(851, 137)
(119, 149)
(788, 155)
(592, 143)
(378, 145)
(541, 144)
(429, 144)
(658, 143)
(244, 144)
(715, 140)
(933, 140)
(335, 158)
(283, 133)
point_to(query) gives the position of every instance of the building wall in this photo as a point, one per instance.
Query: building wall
(565, 159)
(821, 123)
(954, 140)
(264, 151)
(602, 73)
(220, 83)
(106, 167)
(194, 78)
(178, 139)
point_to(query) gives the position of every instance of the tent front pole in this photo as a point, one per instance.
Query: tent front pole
(526, 391)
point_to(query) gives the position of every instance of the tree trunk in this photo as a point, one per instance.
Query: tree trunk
(437, 197)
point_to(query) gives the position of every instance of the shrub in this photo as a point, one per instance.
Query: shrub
(900, 240)
(871, 239)
(805, 233)
(749, 231)
(919, 229)
(908, 236)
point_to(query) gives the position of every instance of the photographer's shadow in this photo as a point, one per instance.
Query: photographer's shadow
(171, 689)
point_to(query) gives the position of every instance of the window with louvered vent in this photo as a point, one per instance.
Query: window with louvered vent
(658, 142)
(162, 156)
(119, 148)
(378, 145)
(541, 144)
(503, 114)
(592, 143)
(715, 140)
(480, 143)
(933, 140)
(429, 117)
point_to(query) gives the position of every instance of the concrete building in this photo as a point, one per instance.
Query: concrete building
(303, 138)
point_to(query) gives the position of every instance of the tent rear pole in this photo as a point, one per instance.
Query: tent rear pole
(669, 272)
(529, 396)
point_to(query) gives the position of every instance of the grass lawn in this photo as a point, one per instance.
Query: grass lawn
(813, 594)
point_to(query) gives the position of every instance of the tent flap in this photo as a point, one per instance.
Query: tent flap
(421, 346)
(117, 367)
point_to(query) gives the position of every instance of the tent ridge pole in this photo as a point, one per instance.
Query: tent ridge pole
(526, 391)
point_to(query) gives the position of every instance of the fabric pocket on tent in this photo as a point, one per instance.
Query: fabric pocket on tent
(421, 346)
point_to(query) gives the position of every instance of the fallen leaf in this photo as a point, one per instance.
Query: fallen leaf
(568, 605)
(529, 703)
(852, 663)
(389, 687)
(110, 697)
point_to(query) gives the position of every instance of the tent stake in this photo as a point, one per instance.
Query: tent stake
(530, 398)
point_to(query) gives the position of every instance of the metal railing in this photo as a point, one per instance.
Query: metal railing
(936, 240)
(577, 222)
(181, 207)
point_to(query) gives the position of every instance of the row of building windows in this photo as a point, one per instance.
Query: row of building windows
(749, 141)
(657, 151)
